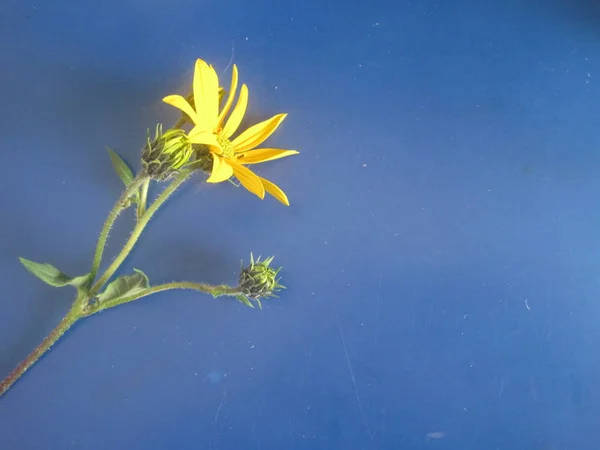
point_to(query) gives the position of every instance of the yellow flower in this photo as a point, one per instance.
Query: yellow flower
(212, 129)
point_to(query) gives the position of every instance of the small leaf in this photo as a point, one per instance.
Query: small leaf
(125, 286)
(81, 282)
(54, 277)
(121, 167)
(243, 299)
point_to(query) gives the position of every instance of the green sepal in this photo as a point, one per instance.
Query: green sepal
(243, 299)
(54, 277)
(124, 173)
(124, 286)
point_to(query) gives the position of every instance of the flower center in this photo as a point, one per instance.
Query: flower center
(227, 147)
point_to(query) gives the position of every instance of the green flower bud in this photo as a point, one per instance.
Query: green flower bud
(259, 280)
(167, 153)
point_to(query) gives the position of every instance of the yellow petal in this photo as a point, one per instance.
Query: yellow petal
(262, 155)
(275, 191)
(257, 134)
(237, 114)
(199, 135)
(206, 94)
(230, 97)
(181, 103)
(248, 179)
(221, 171)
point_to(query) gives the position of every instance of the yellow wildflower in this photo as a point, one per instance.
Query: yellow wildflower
(213, 130)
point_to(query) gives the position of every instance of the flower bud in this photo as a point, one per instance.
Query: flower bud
(166, 154)
(259, 280)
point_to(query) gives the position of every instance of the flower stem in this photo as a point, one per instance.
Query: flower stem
(67, 322)
(110, 220)
(214, 290)
(137, 231)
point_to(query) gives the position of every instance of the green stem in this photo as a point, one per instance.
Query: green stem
(143, 198)
(67, 322)
(110, 220)
(214, 290)
(137, 231)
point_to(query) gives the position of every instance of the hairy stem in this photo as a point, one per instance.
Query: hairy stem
(214, 290)
(67, 322)
(110, 220)
(137, 231)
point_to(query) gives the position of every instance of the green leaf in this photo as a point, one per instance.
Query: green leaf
(82, 281)
(54, 277)
(125, 286)
(121, 167)
(243, 299)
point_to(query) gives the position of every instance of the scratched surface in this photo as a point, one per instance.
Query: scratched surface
(442, 250)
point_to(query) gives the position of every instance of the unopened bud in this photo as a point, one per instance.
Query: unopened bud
(167, 154)
(258, 280)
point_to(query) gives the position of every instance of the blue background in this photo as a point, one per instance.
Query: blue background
(442, 250)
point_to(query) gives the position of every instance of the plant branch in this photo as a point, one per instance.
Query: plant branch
(119, 206)
(214, 290)
(67, 322)
(137, 231)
